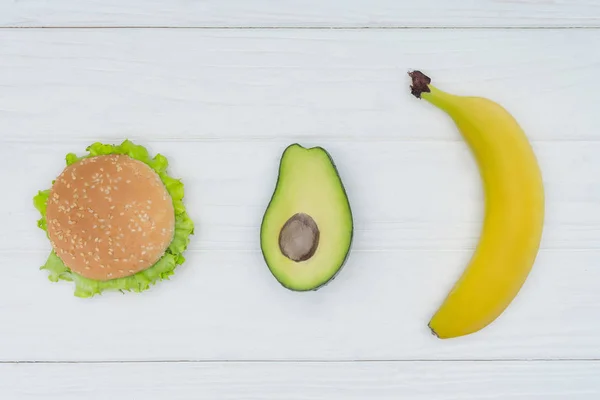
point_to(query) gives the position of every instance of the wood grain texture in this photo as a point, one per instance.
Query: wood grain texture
(405, 195)
(222, 105)
(300, 13)
(309, 381)
(227, 306)
(288, 85)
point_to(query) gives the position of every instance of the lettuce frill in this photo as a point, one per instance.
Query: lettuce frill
(163, 268)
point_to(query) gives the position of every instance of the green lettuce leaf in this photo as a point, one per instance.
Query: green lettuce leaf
(165, 267)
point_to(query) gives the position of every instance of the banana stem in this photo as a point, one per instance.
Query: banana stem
(420, 83)
(422, 88)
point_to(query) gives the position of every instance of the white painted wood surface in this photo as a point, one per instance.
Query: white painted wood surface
(301, 13)
(311, 381)
(253, 85)
(222, 104)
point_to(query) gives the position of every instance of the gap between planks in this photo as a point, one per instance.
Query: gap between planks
(300, 27)
(361, 361)
(269, 139)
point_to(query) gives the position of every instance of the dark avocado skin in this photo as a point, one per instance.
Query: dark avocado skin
(351, 244)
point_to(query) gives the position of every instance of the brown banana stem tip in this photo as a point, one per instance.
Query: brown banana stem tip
(434, 333)
(420, 83)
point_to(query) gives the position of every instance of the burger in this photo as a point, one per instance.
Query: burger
(115, 220)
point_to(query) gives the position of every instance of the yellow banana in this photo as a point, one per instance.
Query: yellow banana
(514, 211)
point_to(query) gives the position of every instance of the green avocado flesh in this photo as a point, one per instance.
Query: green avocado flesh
(306, 232)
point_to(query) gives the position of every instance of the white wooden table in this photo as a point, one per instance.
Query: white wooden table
(221, 87)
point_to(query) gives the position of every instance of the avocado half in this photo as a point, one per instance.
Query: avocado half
(306, 231)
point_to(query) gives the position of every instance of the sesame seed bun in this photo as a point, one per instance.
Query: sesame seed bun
(109, 217)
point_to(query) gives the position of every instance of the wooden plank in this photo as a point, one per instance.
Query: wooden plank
(405, 195)
(225, 305)
(293, 85)
(297, 13)
(310, 381)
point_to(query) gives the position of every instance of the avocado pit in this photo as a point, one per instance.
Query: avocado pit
(299, 237)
